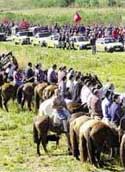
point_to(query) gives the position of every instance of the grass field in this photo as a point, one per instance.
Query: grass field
(65, 15)
(17, 150)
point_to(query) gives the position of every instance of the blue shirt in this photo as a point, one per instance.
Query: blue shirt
(115, 111)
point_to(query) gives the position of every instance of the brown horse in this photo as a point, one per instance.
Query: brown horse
(7, 92)
(25, 94)
(74, 107)
(38, 93)
(93, 135)
(74, 132)
(43, 92)
(41, 126)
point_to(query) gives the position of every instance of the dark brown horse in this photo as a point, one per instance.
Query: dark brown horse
(41, 126)
(74, 107)
(25, 93)
(7, 92)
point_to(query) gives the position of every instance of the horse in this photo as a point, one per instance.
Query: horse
(49, 91)
(93, 135)
(41, 126)
(43, 92)
(74, 107)
(7, 92)
(75, 122)
(25, 93)
(38, 93)
(122, 151)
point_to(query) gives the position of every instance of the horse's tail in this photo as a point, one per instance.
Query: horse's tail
(83, 149)
(35, 134)
(19, 94)
(37, 100)
(90, 149)
(74, 143)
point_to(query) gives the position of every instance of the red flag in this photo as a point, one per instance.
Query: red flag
(77, 18)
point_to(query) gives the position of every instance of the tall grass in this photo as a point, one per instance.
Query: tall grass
(25, 4)
(65, 15)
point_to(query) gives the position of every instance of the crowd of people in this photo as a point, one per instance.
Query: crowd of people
(101, 100)
(67, 30)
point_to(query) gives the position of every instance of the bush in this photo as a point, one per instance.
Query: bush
(50, 3)
(83, 3)
(111, 3)
(94, 3)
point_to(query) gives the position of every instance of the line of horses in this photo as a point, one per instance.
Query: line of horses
(87, 138)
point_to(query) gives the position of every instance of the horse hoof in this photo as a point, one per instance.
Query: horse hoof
(77, 158)
(38, 154)
(69, 152)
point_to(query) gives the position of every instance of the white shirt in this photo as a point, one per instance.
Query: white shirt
(85, 92)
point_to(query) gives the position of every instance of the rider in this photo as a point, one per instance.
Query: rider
(29, 73)
(60, 112)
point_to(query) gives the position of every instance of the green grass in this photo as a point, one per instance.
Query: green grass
(106, 65)
(17, 150)
(65, 15)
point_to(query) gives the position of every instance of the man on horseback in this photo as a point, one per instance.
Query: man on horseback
(18, 77)
(115, 110)
(29, 73)
(106, 103)
(95, 105)
(52, 75)
(60, 112)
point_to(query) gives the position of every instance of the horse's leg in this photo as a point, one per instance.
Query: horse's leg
(1, 105)
(91, 151)
(29, 101)
(112, 153)
(98, 155)
(83, 149)
(23, 100)
(5, 100)
(44, 142)
(38, 146)
(74, 143)
(37, 100)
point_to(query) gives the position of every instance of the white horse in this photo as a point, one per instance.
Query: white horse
(46, 107)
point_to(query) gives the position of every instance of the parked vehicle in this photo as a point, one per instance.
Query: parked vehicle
(80, 42)
(53, 41)
(2, 37)
(40, 39)
(23, 37)
(108, 45)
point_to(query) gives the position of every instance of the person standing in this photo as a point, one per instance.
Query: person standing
(93, 43)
